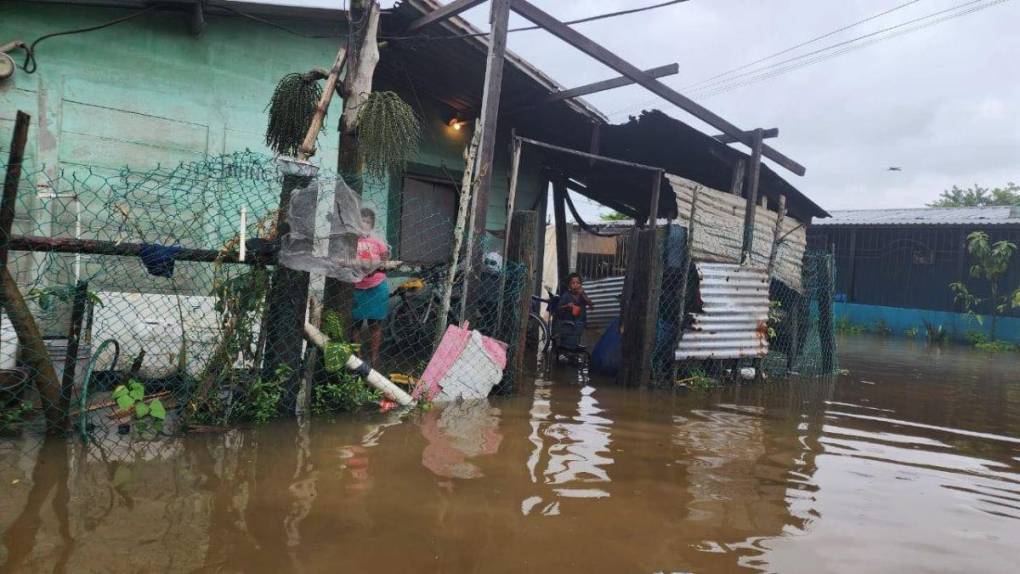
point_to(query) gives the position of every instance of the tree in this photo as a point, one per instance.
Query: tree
(614, 216)
(978, 196)
(992, 262)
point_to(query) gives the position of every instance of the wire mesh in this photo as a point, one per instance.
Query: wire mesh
(176, 333)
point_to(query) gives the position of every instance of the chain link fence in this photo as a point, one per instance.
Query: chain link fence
(139, 277)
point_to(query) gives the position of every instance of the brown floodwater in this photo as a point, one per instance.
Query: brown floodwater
(909, 462)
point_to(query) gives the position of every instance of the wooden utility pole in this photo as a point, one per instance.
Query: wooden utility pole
(499, 18)
(640, 307)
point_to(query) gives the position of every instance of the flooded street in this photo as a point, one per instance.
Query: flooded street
(910, 462)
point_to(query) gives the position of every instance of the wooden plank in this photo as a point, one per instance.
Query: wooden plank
(595, 50)
(727, 139)
(754, 172)
(443, 13)
(777, 234)
(499, 17)
(618, 82)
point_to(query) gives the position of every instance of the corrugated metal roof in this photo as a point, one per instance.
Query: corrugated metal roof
(924, 216)
(605, 294)
(732, 324)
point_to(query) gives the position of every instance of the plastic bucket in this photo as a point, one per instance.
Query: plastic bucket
(8, 344)
(58, 355)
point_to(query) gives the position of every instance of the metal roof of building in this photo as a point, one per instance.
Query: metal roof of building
(991, 215)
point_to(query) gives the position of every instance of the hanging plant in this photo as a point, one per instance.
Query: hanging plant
(290, 111)
(389, 133)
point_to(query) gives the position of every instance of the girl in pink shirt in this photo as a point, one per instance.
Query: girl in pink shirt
(371, 294)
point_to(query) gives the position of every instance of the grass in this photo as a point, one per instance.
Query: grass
(697, 379)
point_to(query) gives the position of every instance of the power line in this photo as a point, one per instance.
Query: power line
(772, 70)
(960, 7)
(777, 72)
(805, 43)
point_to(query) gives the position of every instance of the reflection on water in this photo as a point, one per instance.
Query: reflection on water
(910, 462)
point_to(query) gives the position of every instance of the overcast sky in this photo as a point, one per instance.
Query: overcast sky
(942, 102)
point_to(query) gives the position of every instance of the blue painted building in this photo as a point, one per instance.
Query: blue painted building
(894, 267)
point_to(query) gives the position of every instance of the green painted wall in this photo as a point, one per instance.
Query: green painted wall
(147, 93)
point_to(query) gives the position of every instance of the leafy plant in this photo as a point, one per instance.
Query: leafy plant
(912, 332)
(697, 379)
(935, 334)
(47, 297)
(263, 399)
(991, 263)
(983, 342)
(290, 111)
(131, 398)
(14, 415)
(345, 391)
(776, 316)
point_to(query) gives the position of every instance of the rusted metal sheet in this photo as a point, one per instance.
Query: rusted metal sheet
(733, 323)
(605, 294)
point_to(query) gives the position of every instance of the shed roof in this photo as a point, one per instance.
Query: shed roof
(986, 215)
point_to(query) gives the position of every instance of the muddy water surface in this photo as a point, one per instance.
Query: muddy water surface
(908, 463)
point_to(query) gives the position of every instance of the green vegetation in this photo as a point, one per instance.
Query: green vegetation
(881, 328)
(912, 332)
(978, 196)
(290, 112)
(131, 398)
(981, 342)
(345, 391)
(845, 326)
(697, 379)
(935, 334)
(991, 263)
(14, 415)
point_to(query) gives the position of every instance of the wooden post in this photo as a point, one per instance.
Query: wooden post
(543, 211)
(463, 205)
(825, 321)
(73, 343)
(14, 160)
(286, 304)
(754, 170)
(522, 250)
(777, 234)
(640, 309)
(737, 182)
(653, 209)
(511, 200)
(562, 234)
(499, 17)
(308, 145)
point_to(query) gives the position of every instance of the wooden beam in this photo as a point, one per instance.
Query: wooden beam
(727, 139)
(640, 308)
(443, 13)
(523, 250)
(499, 18)
(653, 208)
(618, 82)
(593, 49)
(753, 173)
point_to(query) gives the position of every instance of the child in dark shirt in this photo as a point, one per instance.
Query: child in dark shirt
(573, 304)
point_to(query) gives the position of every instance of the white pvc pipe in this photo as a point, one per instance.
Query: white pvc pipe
(242, 251)
(374, 378)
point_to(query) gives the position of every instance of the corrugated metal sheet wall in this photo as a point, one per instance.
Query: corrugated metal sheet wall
(735, 314)
(605, 294)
